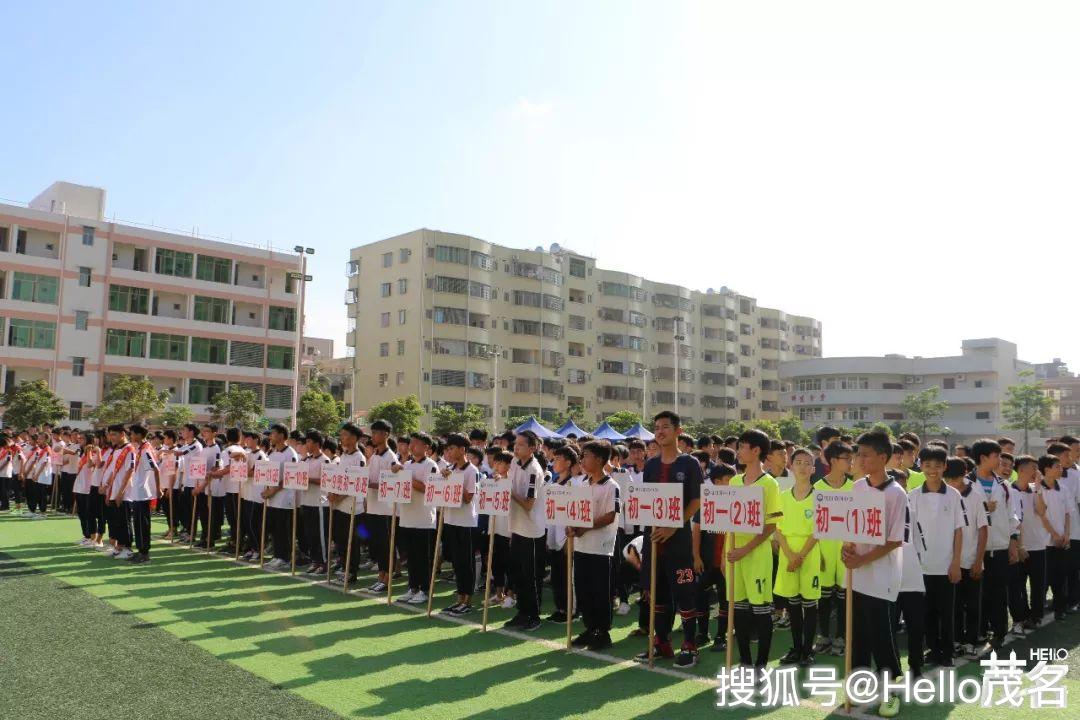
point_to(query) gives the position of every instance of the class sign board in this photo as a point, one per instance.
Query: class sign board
(168, 465)
(445, 492)
(655, 504)
(294, 476)
(494, 497)
(395, 487)
(567, 505)
(196, 469)
(238, 470)
(725, 508)
(850, 517)
(267, 473)
(350, 481)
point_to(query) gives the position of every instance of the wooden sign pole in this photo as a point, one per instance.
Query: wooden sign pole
(729, 581)
(435, 562)
(390, 565)
(487, 582)
(652, 603)
(569, 589)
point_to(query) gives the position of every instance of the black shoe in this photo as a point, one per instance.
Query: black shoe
(601, 641)
(530, 625)
(686, 658)
(807, 659)
(584, 639)
(452, 609)
(1060, 615)
(515, 622)
(463, 609)
(719, 645)
(792, 657)
(557, 617)
(702, 639)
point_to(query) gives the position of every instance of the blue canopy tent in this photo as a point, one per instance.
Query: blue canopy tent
(606, 432)
(640, 433)
(533, 425)
(571, 428)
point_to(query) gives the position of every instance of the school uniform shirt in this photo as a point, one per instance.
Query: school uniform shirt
(250, 491)
(184, 452)
(935, 517)
(881, 578)
(354, 459)
(83, 474)
(525, 481)
(18, 459)
(555, 535)
(1003, 521)
(314, 495)
(1056, 508)
(1070, 486)
(464, 515)
(973, 508)
(379, 462)
(1033, 534)
(123, 460)
(415, 514)
(99, 472)
(911, 573)
(142, 485)
(605, 499)
(212, 456)
(283, 499)
(43, 462)
(6, 461)
(71, 459)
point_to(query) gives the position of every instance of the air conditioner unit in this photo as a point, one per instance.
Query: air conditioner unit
(909, 379)
(961, 378)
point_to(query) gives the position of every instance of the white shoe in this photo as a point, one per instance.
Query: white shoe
(83, 543)
(509, 602)
(98, 544)
(624, 609)
(112, 551)
(40, 516)
(1018, 630)
(407, 596)
(276, 564)
(418, 598)
(123, 554)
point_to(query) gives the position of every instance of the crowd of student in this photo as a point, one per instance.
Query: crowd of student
(974, 537)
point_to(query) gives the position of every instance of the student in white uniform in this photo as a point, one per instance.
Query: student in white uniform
(1027, 611)
(1067, 450)
(313, 503)
(377, 514)
(189, 447)
(39, 477)
(211, 486)
(83, 474)
(233, 451)
(116, 478)
(564, 460)
(459, 523)
(416, 521)
(594, 548)
(142, 486)
(975, 531)
(351, 457)
(1059, 521)
(7, 462)
(280, 502)
(1002, 546)
(527, 542)
(251, 499)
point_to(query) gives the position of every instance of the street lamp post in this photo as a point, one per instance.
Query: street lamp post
(678, 338)
(302, 278)
(493, 353)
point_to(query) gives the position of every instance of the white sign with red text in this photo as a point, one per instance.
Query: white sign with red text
(395, 487)
(294, 476)
(494, 497)
(267, 473)
(849, 517)
(196, 469)
(655, 504)
(567, 505)
(726, 508)
(238, 470)
(445, 492)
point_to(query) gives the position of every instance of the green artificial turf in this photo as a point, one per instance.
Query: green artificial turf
(197, 636)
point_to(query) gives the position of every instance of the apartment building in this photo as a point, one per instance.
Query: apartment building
(84, 300)
(853, 390)
(458, 320)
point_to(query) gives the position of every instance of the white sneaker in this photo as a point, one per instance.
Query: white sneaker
(98, 544)
(83, 543)
(1018, 630)
(112, 551)
(276, 564)
(39, 516)
(624, 609)
(123, 554)
(418, 598)
(406, 596)
(509, 602)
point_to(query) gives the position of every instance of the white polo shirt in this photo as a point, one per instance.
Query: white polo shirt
(283, 499)
(464, 515)
(605, 499)
(314, 495)
(525, 481)
(42, 461)
(1003, 520)
(142, 486)
(1070, 485)
(973, 508)
(71, 455)
(935, 517)
(379, 462)
(7, 461)
(211, 455)
(1033, 534)
(351, 460)
(123, 459)
(415, 514)
(184, 452)
(881, 578)
(231, 486)
(1056, 508)
(99, 472)
(250, 491)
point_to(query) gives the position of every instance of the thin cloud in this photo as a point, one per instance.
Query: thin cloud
(526, 108)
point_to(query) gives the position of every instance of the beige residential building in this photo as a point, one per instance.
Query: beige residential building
(84, 299)
(454, 320)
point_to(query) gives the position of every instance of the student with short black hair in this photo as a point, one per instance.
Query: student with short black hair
(1057, 550)
(798, 578)
(528, 532)
(416, 520)
(1002, 547)
(824, 436)
(708, 549)
(1067, 450)
(967, 618)
(1027, 611)
(142, 484)
(564, 460)
(279, 501)
(460, 523)
(377, 515)
(838, 459)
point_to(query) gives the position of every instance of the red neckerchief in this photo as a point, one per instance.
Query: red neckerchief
(146, 446)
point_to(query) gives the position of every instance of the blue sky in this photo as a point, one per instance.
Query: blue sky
(846, 160)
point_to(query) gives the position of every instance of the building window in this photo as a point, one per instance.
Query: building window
(123, 298)
(87, 235)
(34, 288)
(173, 262)
(81, 318)
(209, 309)
(279, 396)
(280, 357)
(126, 343)
(401, 314)
(84, 277)
(209, 350)
(447, 253)
(352, 268)
(78, 366)
(384, 349)
(400, 347)
(382, 379)
(384, 289)
(577, 267)
(213, 269)
(399, 379)
(246, 354)
(402, 286)
(282, 318)
(948, 383)
(384, 319)
(982, 415)
(203, 392)
(75, 410)
(168, 347)
(978, 383)
(404, 254)
(387, 259)
(32, 334)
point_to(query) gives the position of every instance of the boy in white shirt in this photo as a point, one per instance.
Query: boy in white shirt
(1059, 522)
(416, 521)
(1027, 612)
(251, 500)
(973, 549)
(280, 502)
(459, 524)
(344, 506)
(313, 504)
(527, 542)
(377, 515)
(564, 459)
(143, 484)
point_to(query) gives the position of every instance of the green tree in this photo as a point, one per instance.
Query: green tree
(698, 428)
(923, 410)
(32, 403)
(790, 428)
(513, 422)
(403, 413)
(236, 407)
(174, 416)
(317, 409)
(574, 412)
(1027, 406)
(446, 419)
(623, 420)
(130, 399)
(732, 427)
(769, 427)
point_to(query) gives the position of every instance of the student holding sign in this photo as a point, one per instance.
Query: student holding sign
(876, 569)
(527, 542)
(251, 499)
(347, 506)
(460, 524)
(751, 554)
(416, 520)
(676, 585)
(798, 576)
(593, 550)
(377, 514)
(837, 478)
(280, 502)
